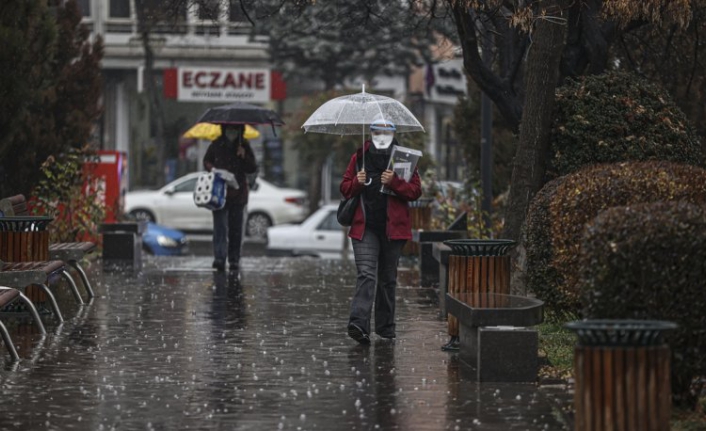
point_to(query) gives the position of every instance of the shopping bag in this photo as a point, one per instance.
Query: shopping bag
(210, 191)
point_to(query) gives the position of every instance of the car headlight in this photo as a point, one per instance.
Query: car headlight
(165, 241)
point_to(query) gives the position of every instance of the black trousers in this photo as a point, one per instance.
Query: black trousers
(376, 259)
(228, 227)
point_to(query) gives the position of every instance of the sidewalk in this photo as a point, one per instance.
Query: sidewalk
(182, 347)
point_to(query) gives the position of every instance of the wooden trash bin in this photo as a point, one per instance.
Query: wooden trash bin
(420, 219)
(622, 378)
(476, 268)
(25, 239)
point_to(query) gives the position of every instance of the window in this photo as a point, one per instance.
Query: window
(330, 222)
(209, 10)
(166, 10)
(85, 7)
(119, 8)
(235, 13)
(186, 186)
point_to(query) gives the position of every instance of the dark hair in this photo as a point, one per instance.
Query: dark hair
(240, 127)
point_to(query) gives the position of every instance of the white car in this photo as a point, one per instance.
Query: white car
(319, 235)
(173, 206)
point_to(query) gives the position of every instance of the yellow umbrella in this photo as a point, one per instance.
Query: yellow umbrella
(213, 131)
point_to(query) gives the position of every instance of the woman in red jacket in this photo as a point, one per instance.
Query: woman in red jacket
(380, 228)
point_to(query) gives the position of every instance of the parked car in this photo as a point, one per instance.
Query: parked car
(319, 235)
(163, 241)
(173, 206)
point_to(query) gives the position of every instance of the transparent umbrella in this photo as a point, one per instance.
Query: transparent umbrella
(353, 113)
(349, 115)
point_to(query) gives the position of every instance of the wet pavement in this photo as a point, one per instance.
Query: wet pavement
(179, 346)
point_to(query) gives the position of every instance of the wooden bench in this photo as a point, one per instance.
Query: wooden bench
(72, 253)
(31, 243)
(9, 295)
(20, 275)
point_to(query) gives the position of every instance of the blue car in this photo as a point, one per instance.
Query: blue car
(163, 241)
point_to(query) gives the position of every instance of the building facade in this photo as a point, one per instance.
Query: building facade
(204, 56)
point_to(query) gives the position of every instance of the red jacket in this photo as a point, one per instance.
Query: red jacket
(399, 225)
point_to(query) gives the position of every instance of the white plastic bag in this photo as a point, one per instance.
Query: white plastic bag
(228, 176)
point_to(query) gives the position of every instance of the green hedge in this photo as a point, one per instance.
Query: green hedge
(617, 117)
(649, 262)
(560, 211)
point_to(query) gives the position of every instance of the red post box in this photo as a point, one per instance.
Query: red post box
(108, 180)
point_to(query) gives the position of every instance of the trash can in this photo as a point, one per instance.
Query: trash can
(420, 219)
(420, 213)
(122, 245)
(25, 239)
(621, 371)
(478, 266)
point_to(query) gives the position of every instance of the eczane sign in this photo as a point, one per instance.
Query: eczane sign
(207, 84)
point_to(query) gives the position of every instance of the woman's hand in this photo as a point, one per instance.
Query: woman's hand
(362, 177)
(387, 176)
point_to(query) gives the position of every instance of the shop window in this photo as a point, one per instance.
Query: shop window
(119, 8)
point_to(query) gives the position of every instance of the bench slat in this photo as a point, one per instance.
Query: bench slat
(49, 267)
(7, 296)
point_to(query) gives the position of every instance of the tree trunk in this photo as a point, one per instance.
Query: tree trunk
(542, 76)
(499, 90)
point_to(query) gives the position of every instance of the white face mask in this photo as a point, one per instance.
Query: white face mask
(381, 142)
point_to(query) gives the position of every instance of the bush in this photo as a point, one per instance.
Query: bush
(649, 262)
(71, 195)
(559, 212)
(448, 202)
(617, 117)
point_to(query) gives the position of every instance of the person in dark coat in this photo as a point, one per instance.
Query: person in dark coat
(233, 153)
(381, 227)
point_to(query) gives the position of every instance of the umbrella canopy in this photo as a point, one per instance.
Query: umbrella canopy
(213, 131)
(349, 115)
(241, 113)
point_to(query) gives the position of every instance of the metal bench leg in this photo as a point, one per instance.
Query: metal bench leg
(8, 342)
(35, 315)
(84, 278)
(73, 286)
(54, 305)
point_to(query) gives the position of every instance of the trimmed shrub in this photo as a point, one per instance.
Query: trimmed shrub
(559, 212)
(618, 117)
(649, 262)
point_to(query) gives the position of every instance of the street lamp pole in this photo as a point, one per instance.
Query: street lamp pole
(486, 141)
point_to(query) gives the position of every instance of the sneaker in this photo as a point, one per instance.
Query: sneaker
(387, 336)
(219, 265)
(356, 333)
(234, 267)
